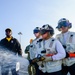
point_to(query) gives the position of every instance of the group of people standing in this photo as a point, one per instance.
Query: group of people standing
(57, 55)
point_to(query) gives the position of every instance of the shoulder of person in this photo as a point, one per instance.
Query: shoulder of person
(54, 40)
(27, 46)
(58, 35)
(71, 33)
(34, 41)
(14, 39)
(39, 40)
(3, 39)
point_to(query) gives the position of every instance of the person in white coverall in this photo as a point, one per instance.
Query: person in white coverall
(34, 46)
(67, 39)
(52, 51)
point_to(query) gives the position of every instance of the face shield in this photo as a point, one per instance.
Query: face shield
(36, 31)
(43, 31)
(64, 23)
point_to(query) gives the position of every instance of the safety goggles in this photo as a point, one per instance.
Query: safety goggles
(64, 24)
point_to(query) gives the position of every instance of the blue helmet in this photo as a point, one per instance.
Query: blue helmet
(36, 30)
(47, 28)
(64, 22)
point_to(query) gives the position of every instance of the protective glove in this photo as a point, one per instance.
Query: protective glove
(48, 58)
(39, 63)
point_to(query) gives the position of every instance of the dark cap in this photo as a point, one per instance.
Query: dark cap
(8, 29)
(36, 30)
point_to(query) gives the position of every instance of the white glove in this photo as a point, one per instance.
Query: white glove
(48, 58)
(39, 63)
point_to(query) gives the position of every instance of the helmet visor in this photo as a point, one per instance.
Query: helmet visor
(43, 31)
(64, 24)
(36, 31)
